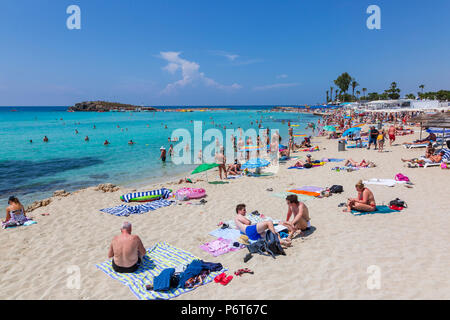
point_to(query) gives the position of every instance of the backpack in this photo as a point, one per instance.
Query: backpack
(398, 203)
(273, 244)
(308, 165)
(336, 189)
(268, 246)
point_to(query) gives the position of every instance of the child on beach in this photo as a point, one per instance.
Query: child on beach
(380, 140)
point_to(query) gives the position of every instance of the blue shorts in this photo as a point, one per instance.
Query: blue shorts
(252, 233)
(373, 140)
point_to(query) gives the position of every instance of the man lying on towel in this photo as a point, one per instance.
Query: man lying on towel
(256, 231)
(126, 250)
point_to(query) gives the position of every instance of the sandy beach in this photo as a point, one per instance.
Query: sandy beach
(411, 248)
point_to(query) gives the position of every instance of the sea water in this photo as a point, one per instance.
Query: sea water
(33, 171)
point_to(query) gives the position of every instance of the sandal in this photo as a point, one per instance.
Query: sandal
(220, 277)
(226, 280)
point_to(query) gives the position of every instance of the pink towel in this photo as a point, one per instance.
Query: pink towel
(219, 247)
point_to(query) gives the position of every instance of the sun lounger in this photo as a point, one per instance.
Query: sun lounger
(412, 145)
(161, 256)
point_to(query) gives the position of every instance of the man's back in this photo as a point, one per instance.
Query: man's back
(125, 248)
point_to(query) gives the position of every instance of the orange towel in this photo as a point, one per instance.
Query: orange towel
(308, 193)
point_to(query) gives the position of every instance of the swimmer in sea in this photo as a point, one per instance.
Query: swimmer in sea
(106, 143)
(86, 139)
(45, 139)
(130, 142)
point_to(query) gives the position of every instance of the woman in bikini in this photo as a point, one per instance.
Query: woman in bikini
(365, 201)
(15, 213)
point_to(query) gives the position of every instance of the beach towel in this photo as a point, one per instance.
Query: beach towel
(220, 246)
(379, 209)
(308, 193)
(161, 256)
(383, 182)
(228, 233)
(124, 210)
(310, 189)
(347, 168)
(333, 160)
(301, 197)
(357, 146)
(218, 182)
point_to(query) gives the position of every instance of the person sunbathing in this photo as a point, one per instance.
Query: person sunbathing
(431, 159)
(429, 150)
(252, 231)
(308, 161)
(126, 250)
(301, 216)
(365, 201)
(234, 169)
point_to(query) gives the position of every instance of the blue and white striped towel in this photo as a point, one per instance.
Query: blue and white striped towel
(164, 193)
(446, 156)
(124, 210)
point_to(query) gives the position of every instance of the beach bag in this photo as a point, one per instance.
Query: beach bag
(398, 203)
(308, 165)
(336, 189)
(273, 244)
(401, 177)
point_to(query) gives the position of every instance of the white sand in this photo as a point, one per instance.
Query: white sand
(411, 248)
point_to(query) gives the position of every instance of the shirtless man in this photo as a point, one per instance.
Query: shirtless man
(391, 134)
(221, 161)
(126, 250)
(365, 201)
(301, 216)
(253, 232)
(163, 154)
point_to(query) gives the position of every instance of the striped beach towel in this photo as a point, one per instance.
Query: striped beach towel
(164, 193)
(161, 256)
(446, 155)
(124, 210)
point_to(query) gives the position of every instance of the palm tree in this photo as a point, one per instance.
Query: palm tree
(421, 87)
(357, 94)
(327, 97)
(364, 90)
(354, 84)
(331, 91)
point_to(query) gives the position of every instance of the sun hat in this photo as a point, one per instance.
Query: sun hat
(308, 155)
(162, 148)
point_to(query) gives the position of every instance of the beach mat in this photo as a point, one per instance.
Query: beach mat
(335, 160)
(218, 182)
(161, 256)
(300, 197)
(124, 210)
(254, 219)
(379, 209)
(220, 246)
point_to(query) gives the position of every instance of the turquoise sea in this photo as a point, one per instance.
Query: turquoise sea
(33, 171)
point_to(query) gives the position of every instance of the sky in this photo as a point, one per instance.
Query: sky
(217, 52)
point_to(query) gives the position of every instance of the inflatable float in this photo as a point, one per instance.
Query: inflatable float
(316, 148)
(190, 193)
(147, 195)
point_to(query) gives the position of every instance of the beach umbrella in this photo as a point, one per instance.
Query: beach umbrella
(329, 128)
(350, 131)
(255, 163)
(204, 167)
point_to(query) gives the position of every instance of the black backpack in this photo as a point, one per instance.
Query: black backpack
(269, 246)
(273, 244)
(336, 189)
(399, 203)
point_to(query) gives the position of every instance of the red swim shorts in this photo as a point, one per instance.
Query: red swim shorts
(392, 137)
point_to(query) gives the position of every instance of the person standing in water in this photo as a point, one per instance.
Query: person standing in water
(163, 154)
(45, 139)
(86, 138)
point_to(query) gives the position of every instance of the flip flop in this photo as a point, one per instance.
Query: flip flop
(220, 277)
(226, 280)
(248, 257)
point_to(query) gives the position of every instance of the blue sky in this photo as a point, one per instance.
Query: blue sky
(214, 52)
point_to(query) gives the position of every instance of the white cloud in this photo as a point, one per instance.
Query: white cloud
(282, 76)
(275, 86)
(190, 73)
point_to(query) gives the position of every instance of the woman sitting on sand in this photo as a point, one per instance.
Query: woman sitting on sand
(365, 201)
(15, 213)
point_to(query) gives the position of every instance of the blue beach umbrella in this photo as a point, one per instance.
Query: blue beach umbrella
(255, 163)
(350, 131)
